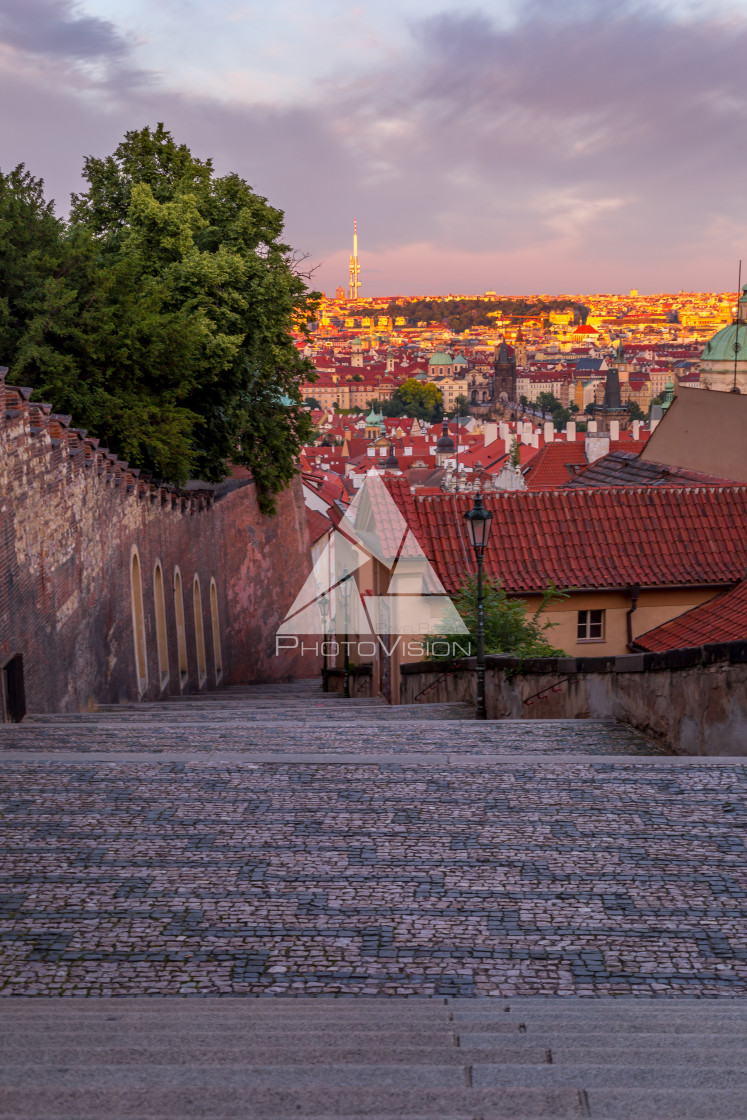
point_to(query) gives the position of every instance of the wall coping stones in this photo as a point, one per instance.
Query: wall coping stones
(690, 657)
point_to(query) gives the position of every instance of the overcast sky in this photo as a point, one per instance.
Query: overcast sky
(589, 145)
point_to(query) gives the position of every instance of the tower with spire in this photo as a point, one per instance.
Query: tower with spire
(520, 349)
(355, 268)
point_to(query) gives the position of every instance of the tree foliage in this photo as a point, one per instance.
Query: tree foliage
(421, 400)
(549, 403)
(461, 407)
(160, 314)
(509, 628)
(461, 314)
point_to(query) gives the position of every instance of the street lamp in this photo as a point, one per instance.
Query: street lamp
(479, 523)
(324, 611)
(345, 588)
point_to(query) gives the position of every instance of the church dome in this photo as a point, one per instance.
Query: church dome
(440, 359)
(725, 355)
(720, 348)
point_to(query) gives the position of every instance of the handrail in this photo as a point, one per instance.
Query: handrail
(428, 687)
(541, 695)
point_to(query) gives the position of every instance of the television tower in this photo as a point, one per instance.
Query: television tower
(355, 268)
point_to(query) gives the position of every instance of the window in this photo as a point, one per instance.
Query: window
(181, 632)
(199, 632)
(138, 623)
(591, 626)
(162, 642)
(218, 659)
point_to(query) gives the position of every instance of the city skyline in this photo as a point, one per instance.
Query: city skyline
(507, 147)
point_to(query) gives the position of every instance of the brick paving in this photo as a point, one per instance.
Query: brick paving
(555, 859)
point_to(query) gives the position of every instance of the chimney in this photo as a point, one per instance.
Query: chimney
(491, 433)
(636, 426)
(570, 431)
(591, 426)
(549, 431)
(535, 438)
(597, 444)
(614, 431)
(504, 431)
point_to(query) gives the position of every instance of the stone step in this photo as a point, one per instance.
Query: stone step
(622, 1075)
(283, 1101)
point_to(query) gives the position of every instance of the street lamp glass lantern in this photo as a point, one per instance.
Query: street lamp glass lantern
(345, 586)
(479, 523)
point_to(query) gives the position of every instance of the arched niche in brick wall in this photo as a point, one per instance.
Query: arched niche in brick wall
(138, 623)
(181, 629)
(199, 632)
(215, 622)
(162, 640)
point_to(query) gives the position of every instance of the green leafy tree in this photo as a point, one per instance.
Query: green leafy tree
(313, 403)
(163, 314)
(33, 264)
(560, 418)
(421, 400)
(635, 411)
(509, 628)
(548, 402)
(462, 314)
(461, 406)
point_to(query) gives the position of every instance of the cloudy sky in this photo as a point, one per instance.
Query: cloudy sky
(526, 146)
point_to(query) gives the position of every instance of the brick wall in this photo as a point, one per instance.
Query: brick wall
(71, 517)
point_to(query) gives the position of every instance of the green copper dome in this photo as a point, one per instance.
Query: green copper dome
(440, 359)
(720, 348)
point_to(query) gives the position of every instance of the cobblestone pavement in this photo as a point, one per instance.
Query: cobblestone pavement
(518, 874)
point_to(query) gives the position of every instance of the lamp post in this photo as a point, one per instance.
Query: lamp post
(345, 589)
(479, 523)
(324, 611)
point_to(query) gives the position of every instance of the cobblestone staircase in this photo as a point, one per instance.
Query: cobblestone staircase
(563, 906)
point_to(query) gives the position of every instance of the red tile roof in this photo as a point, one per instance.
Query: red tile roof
(588, 538)
(723, 619)
(559, 462)
(623, 469)
(318, 524)
(553, 465)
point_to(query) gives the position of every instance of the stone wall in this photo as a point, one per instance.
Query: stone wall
(71, 518)
(693, 701)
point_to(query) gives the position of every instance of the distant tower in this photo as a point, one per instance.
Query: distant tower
(520, 349)
(504, 375)
(355, 268)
